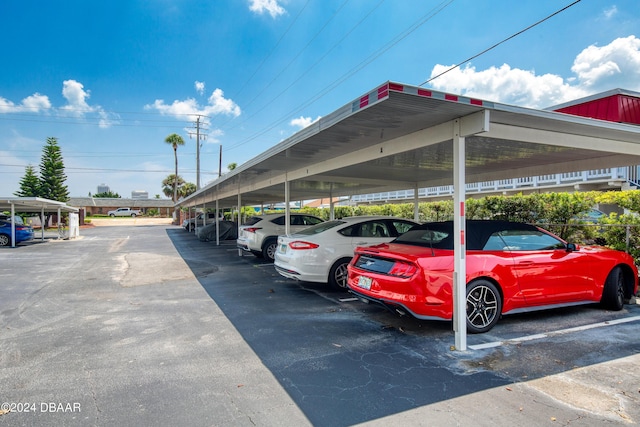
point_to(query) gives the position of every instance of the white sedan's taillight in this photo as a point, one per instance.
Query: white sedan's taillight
(301, 245)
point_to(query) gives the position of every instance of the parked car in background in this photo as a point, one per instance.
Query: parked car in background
(322, 252)
(511, 268)
(23, 232)
(124, 212)
(190, 223)
(259, 234)
(592, 216)
(17, 218)
(228, 231)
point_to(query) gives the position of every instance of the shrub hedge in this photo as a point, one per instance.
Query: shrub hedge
(564, 214)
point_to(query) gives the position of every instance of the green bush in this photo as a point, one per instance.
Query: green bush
(557, 212)
(622, 232)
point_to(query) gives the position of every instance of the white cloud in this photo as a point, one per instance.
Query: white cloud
(178, 109)
(616, 65)
(303, 122)
(77, 105)
(35, 103)
(216, 104)
(199, 87)
(270, 6)
(76, 97)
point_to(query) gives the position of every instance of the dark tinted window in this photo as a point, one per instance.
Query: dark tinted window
(400, 227)
(376, 228)
(279, 220)
(347, 231)
(252, 220)
(522, 240)
(482, 235)
(438, 239)
(310, 220)
(297, 220)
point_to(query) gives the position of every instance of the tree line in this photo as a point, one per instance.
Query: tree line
(49, 183)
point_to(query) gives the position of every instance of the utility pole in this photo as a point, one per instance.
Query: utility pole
(198, 153)
(199, 136)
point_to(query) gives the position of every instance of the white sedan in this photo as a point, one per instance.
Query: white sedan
(322, 252)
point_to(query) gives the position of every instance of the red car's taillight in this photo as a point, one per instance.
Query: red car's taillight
(301, 245)
(403, 269)
(252, 229)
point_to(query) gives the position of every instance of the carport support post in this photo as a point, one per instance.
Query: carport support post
(204, 217)
(217, 224)
(42, 225)
(332, 214)
(416, 204)
(13, 225)
(239, 220)
(287, 219)
(459, 245)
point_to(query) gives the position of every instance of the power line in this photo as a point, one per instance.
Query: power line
(273, 49)
(335, 45)
(499, 43)
(94, 170)
(401, 36)
(283, 69)
(89, 121)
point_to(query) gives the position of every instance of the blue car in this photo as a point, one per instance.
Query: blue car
(23, 233)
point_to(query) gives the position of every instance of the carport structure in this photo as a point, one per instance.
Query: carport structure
(32, 204)
(398, 137)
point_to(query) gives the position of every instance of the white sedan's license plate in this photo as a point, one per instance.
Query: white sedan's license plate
(364, 282)
(283, 248)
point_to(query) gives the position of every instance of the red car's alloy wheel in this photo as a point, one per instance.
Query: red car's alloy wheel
(484, 306)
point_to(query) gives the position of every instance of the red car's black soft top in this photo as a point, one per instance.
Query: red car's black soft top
(439, 235)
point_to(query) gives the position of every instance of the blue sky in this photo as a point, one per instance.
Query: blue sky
(111, 80)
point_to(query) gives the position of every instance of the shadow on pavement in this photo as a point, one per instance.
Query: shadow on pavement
(344, 362)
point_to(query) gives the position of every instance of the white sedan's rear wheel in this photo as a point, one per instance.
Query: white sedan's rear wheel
(338, 274)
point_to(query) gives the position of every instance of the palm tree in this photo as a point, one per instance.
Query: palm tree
(174, 139)
(168, 184)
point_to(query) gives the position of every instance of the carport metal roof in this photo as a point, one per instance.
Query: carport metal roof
(398, 137)
(34, 204)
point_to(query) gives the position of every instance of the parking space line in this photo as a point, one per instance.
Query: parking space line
(553, 333)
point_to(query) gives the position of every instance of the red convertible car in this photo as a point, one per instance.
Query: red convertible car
(511, 268)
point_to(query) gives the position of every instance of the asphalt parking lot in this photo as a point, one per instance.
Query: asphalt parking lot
(144, 324)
